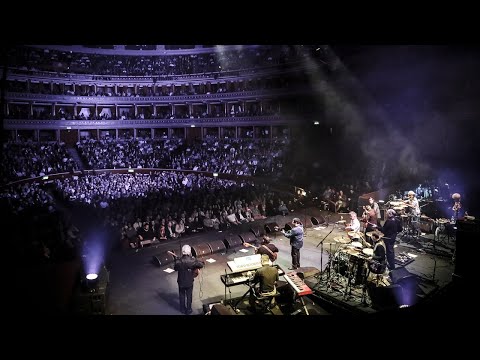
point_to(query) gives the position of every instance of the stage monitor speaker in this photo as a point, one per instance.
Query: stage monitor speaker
(232, 241)
(257, 231)
(217, 246)
(465, 260)
(247, 237)
(220, 309)
(163, 258)
(317, 220)
(401, 275)
(270, 227)
(385, 297)
(200, 250)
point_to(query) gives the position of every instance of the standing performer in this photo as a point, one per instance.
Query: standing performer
(187, 267)
(296, 241)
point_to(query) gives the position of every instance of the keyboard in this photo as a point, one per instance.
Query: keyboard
(243, 277)
(297, 284)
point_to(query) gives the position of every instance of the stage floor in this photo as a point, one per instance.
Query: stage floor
(139, 286)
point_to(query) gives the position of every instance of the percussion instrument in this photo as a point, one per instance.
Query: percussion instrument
(369, 233)
(341, 221)
(341, 239)
(367, 251)
(354, 234)
(356, 244)
(443, 221)
(399, 208)
(396, 203)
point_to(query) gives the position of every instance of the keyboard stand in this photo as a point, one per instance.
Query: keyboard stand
(250, 290)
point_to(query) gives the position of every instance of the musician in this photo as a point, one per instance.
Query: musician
(378, 263)
(457, 206)
(370, 218)
(266, 277)
(267, 248)
(390, 230)
(413, 204)
(187, 267)
(296, 241)
(341, 201)
(414, 211)
(354, 224)
(375, 207)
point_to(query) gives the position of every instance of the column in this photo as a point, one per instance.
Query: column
(134, 133)
(154, 111)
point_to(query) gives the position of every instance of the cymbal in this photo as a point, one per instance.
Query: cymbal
(369, 233)
(341, 221)
(396, 203)
(341, 239)
(354, 234)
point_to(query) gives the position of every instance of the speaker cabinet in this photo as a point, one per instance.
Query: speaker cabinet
(270, 227)
(200, 250)
(220, 309)
(408, 282)
(217, 246)
(247, 237)
(257, 231)
(401, 275)
(465, 257)
(316, 221)
(232, 241)
(385, 297)
(288, 226)
(163, 259)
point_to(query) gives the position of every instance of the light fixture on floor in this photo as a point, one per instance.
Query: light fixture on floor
(91, 282)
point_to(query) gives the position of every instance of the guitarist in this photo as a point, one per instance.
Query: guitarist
(266, 248)
(187, 267)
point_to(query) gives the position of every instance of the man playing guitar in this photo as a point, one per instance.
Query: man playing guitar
(266, 248)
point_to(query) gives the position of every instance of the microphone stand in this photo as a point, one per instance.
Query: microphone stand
(321, 242)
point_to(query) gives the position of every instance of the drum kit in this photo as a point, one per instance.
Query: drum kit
(349, 262)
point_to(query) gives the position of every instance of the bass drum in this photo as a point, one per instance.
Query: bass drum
(341, 262)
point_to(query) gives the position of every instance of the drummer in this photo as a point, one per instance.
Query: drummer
(354, 224)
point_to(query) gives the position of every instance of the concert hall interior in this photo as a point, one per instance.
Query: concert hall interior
(116, 156)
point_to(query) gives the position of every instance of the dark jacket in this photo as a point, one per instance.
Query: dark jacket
(185, 267)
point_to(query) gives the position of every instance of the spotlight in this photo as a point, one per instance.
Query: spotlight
(91, 282)
(215, 174)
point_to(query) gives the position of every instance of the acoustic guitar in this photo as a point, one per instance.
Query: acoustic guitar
(195, 271)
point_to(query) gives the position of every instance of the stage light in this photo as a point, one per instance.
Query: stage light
(130, 170)
(316, 123)
(91, 282)
(215, 174)
(45, 178)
